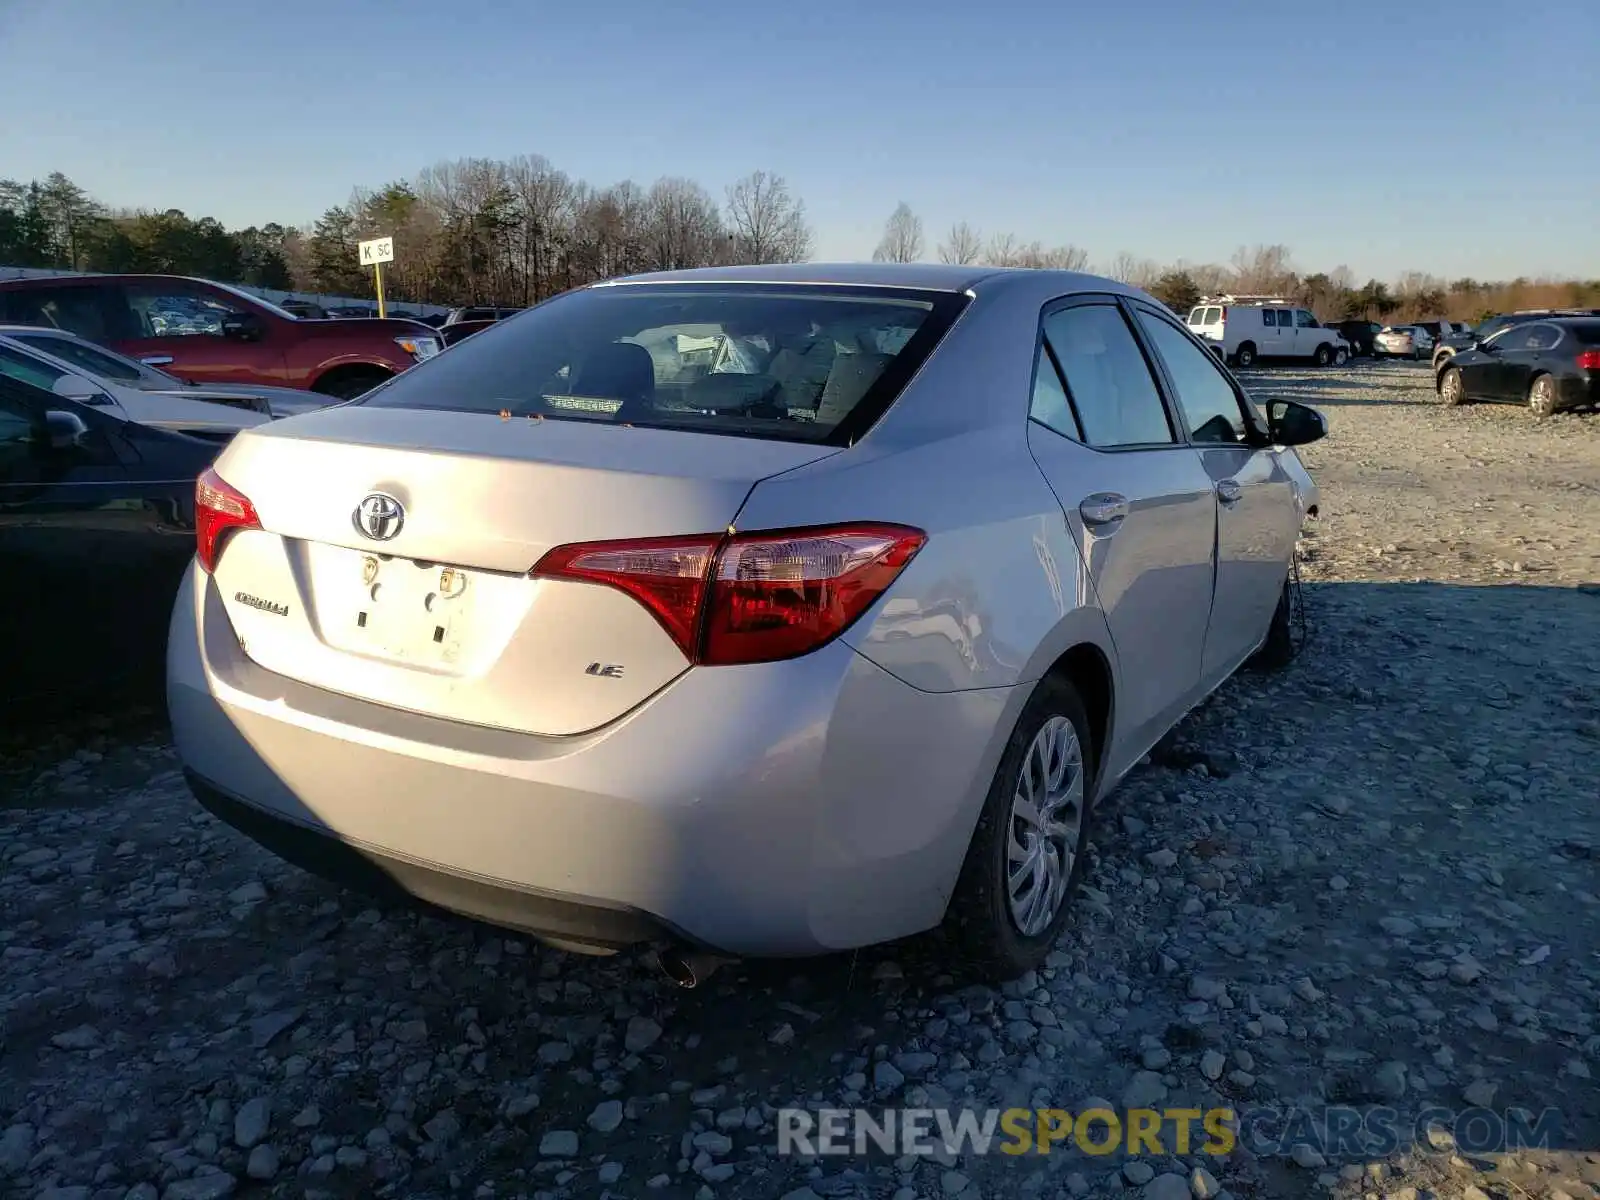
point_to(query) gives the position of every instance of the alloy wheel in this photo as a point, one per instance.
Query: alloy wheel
(1046, 822)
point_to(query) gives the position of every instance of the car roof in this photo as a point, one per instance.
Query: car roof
(931, 277)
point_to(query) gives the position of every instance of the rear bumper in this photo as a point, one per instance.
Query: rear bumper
(781, 809)
(579, 920)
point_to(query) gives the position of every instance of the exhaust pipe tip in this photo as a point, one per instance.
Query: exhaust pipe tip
(688, 968)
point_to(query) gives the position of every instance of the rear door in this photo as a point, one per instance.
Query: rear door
(1257, 521)
(1137, 500)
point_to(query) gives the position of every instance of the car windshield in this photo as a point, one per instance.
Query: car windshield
(810, 363)
(102, 362)
(266, 304)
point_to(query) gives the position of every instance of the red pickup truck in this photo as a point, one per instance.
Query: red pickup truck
(211, 333)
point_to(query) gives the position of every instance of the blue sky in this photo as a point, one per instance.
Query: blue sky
(1461, 138)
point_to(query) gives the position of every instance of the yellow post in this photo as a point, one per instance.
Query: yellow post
(378, 271)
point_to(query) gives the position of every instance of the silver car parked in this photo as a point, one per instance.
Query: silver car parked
(766, 611)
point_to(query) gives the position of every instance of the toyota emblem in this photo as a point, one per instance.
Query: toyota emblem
(379, 516)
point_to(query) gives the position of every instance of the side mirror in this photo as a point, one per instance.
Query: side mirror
(63, 430)
(242, 326)
(1292, 424)
(76, 387)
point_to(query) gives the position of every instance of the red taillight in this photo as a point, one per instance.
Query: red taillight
(749, 597)
(219, 509)
(1589, 360)
(666, 575)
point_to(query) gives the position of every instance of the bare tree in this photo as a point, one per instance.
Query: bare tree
(1056, 258)
(544, 213)
(768, 222)
(902, 237)
(1133, 270)
(1263, 269)
(963, 244)
(1002, 250)
(685, 228)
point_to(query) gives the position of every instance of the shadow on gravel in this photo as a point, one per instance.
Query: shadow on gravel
(1366, 882)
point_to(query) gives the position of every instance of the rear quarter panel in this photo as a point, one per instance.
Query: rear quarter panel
(996, 594)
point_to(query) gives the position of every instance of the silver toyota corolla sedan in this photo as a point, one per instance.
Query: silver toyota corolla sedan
(759, 611)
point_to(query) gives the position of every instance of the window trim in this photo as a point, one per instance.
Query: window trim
(1258, 436)
(1085, 300)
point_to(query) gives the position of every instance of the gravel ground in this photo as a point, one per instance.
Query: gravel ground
(1370, 880)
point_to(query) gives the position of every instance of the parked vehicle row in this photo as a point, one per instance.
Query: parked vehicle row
(727, 661)
(207, 332)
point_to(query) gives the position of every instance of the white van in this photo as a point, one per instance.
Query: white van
(1251, 328)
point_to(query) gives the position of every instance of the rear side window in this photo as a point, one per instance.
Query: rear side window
(812, 364)
(26, 369)
(78, 310)
(1269, 317)
(79, 354)
(1108, 381)
(1587, 334)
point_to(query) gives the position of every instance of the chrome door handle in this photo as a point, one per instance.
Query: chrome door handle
(1228, 491)
(1103, 510)
(157, 360)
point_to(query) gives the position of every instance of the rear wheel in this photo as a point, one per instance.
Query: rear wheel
(350, 382)
(1324, 355)
(1341, 356)
(1542, 396)
(1028, 850)
(1452, 388)
(1245, 355)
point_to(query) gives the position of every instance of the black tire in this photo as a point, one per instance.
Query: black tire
(1452, 388)
(347, 385)
(1245, 355)
(1323, 356)
(1278, 651)
(979, 920)
(1543, 396)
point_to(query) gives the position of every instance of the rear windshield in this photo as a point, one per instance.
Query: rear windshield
(1587, 333)
(816, 364)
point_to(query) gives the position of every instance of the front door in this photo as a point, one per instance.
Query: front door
(94, 547)
(1257, 521)
(1497, 379)
(177, 325)
(1138, 504)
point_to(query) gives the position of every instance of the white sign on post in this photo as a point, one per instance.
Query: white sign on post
(378, 250)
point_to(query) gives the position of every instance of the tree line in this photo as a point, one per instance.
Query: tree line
(514, 232)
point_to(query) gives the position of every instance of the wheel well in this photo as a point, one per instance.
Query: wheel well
(348, 371)
(1086, 668)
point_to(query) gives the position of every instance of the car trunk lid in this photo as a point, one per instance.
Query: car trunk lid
(438, 613)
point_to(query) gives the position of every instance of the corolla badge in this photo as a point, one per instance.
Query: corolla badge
(379, 516)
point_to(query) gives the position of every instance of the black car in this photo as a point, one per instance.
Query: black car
(1360, 335)
(1490, 326)
(96, 531)
(1550, 364)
